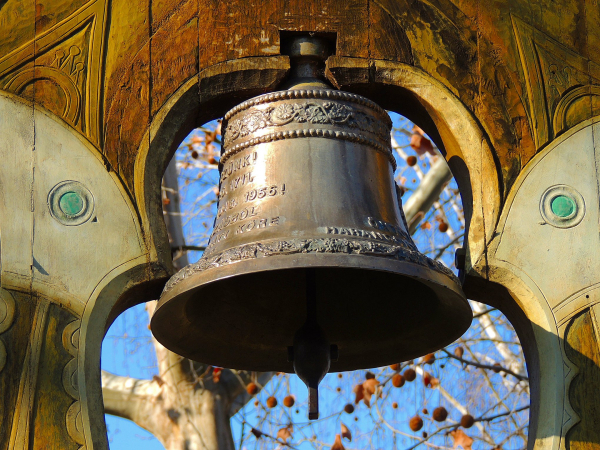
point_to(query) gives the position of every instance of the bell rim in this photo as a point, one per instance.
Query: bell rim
(427, 276)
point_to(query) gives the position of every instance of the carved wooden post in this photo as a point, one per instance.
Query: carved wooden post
(96, 95)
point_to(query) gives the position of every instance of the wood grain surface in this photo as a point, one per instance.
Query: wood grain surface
(493, 83)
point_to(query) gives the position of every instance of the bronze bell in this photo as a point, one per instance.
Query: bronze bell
(310, 265)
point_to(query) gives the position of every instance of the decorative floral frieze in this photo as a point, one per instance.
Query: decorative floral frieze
(307, 112)
(322, 245)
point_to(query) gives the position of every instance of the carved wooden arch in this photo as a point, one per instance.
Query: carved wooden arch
(60, 318)
(73, 101)
(125, 287)
(194, 103)
(518, 75)
(542, 307)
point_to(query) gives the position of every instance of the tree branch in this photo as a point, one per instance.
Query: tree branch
(429, 190)
(492, 333)
(486, 366)
(124, 395)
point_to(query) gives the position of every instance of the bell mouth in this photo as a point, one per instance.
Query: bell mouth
(378, 311)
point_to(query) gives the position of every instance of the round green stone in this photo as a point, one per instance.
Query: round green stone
(563, 206)
(71, 203)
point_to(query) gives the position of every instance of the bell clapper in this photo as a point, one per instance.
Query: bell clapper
(311, 353)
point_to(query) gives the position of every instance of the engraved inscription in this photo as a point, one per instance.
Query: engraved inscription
(240, 181)
(250, 196)
(267, 191)
(254, 224)
(257, 224)
(227, 206)
(366, 234)
(250, 211)
(385, 226)
(387, 232)
(218, 237)
(238, 164)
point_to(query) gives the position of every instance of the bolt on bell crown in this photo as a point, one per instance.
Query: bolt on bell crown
(309, 233)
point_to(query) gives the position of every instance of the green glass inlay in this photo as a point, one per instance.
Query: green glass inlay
(563, 206)
(71, 203)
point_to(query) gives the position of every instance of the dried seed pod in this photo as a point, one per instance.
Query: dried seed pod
(429, 358)
(427, 379)
(349, 408)
(271, 402)
(288, 401)
(467, 421)
(346, 432)
(398, 380)
(337, 444)
(440, 414)
(252, 388)
(411, 160)
(416, 423)
(410, 374)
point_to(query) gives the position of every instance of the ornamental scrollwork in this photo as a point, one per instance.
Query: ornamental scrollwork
(326, 113)
(319, 245)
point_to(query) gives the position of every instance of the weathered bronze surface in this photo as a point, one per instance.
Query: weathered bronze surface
(307, 183)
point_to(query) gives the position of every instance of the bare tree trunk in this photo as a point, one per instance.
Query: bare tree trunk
(183, 407)
(183, 415)
(172, 214)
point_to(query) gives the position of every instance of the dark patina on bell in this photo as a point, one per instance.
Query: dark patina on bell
(310, 265)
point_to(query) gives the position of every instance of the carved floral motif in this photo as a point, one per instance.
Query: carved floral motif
(309, 112)
(560, 78)
(321, 245)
